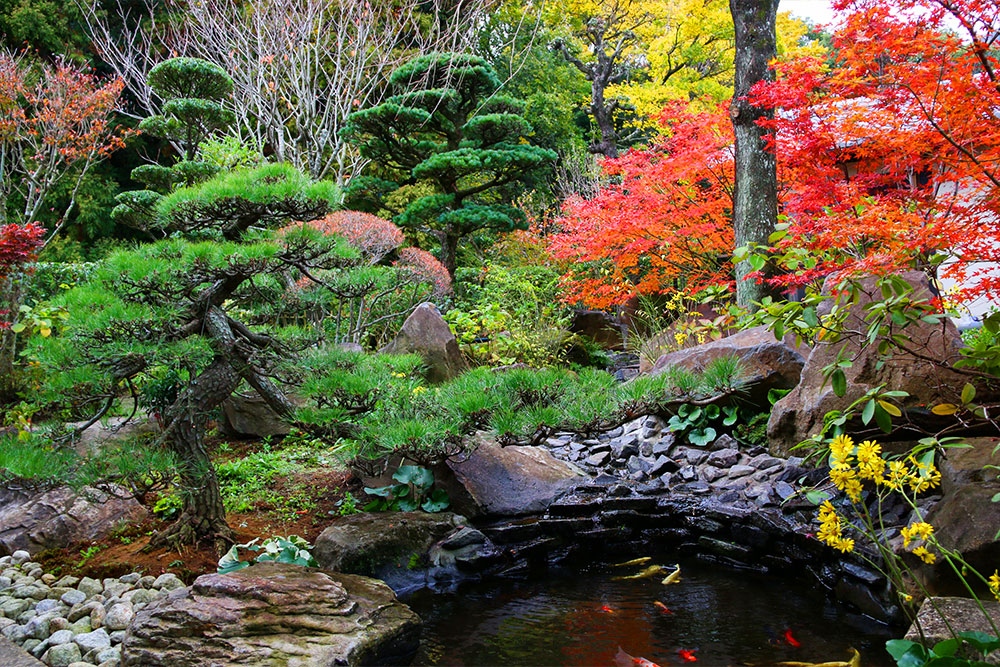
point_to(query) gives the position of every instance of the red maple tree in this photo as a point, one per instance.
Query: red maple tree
(664, 223)
(893, 156)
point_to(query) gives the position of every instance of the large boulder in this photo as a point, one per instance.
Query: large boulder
(426, 333)
(249, 416)
(272, 614)
(365, 543)
(407, 550)
(12, 655)
(510, 481)
(800, 413)
(767, 363)
(965, 519)
(60, 517)
(940, 617)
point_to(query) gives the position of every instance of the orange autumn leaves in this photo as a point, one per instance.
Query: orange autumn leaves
(888, 160)
(664, 223)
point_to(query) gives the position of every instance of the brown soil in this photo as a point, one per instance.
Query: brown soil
(125, 551)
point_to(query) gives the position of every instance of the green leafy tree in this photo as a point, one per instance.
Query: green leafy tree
(174, 314)
(449, 130)
(192, 91)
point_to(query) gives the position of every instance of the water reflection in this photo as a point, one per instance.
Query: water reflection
(583, 617)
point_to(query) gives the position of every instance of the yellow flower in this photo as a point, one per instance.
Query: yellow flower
(841, 447)
(419, 390)
(899, 475)
(994, 584)
(923, 554)
(841, 475)
(844, 544)
(917, 531)
(869, 451)
(853, 489)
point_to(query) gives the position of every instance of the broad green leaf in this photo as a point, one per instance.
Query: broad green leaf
(968, 393)
(868, 412)
(839, 382)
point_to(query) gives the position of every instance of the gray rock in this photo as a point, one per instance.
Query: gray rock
(765, 462)
(711, 473)
(38, 627)
(47, 605)
(738, 471)
(112, 654)
(636, 464)
(89, 641)
(661, 465)
(688, 473)
(119, 616)
(247, 415)
(58, 517)
(664, 444)
(62, 655)
(12, 655)
(723, 458)
(73, 597)
(510, 481)
(130, 578)
(426, 333)
(90, 587)
(273, 613)
(19, 556)
(168, 581)
(598, 459)
(784, 490)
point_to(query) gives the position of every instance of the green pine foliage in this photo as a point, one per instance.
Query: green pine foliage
(447, 127)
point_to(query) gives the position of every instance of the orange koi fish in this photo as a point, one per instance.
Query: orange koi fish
(662, 606)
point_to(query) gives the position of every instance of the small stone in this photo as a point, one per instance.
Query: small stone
(168, 581)
(15, 633)
(96, 616)
(58, 623)
(661, 465)
(764, 462)
(112, 654)
(738, 471)
(688, 473)
(62, 655)
(81, 664)
(20, 556)
(30, 645)
(68, 581)
(147, 581)
(130, 578)
(724, 458)
(119, 616)
(48, 578)
(98, 639)
(663, 445)
(598, 459)
(38, 627)
(117, 637)
(78, 612)
(81, 626)
(711, 473)
(90, 587)
(636, 464)
(47, 605)
(143, 596)
(114, 588)
(725, 441)
(619, 490)
(784, 490)
(60, 637)
(73, 597)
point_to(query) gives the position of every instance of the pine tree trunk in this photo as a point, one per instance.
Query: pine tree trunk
(203, 516)
(755, 206)
(449, 252)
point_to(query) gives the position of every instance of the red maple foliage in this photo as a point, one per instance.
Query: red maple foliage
(665, 222)
(419, 266)
(893, 155)
(18, 244)
(371, 235)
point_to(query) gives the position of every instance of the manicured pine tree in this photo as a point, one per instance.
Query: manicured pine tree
(192, 91)
(449, 130)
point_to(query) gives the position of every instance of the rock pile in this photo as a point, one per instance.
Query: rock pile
(69, 621)
(643, 451)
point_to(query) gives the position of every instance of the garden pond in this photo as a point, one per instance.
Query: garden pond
(583, 616)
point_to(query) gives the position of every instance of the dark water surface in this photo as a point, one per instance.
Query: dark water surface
(581, 617)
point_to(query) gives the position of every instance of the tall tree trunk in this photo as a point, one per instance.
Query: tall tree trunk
(203, 515)
(755, 207)
(449, 251)
(10, 301)
(603, 114)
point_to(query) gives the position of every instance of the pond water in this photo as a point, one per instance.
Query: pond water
(581, 616)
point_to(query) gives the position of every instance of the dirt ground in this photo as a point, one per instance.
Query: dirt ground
(126, 550)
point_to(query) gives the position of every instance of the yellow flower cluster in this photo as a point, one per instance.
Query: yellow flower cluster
(830, 530)
(919, 532)
(994, 584)
(851, 464)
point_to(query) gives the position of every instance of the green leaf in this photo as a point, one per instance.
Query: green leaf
(906, 653)
(948, 647)
(868, 412)
(809, 315)
(839, 382)
(883, 419)
(816, 497)
(702, 437)
(968, 393)
(981, 641)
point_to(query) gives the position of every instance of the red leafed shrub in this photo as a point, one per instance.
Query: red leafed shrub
(419, 266)
(18, 245)
(373, 236)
